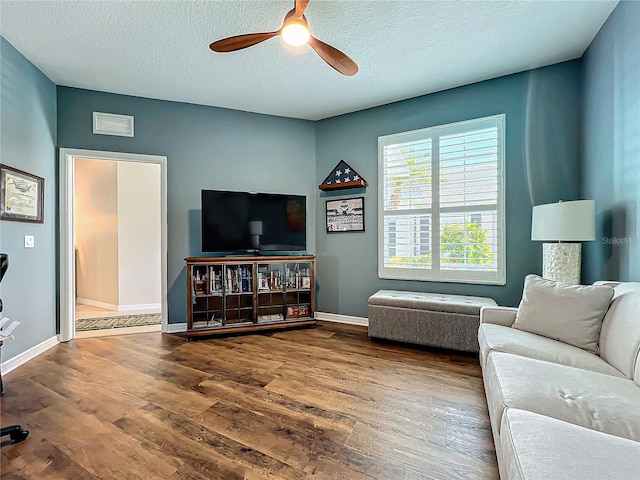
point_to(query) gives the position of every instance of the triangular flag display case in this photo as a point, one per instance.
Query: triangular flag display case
(342, 177)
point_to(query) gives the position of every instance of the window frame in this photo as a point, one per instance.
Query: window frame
(435, 274)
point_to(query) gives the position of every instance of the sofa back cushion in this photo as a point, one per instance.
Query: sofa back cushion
(569, 313)
(620, 336)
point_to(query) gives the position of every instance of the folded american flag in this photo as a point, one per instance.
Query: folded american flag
(342, 173)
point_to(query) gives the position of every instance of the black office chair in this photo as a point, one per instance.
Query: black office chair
(15, 432)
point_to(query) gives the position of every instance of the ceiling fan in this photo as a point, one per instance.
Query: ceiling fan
(295, 32)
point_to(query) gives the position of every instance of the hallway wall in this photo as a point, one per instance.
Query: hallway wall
(96, 232)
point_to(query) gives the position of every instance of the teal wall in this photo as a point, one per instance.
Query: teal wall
(206, 147)
(27, 142)
(611, 146)
(542, 110)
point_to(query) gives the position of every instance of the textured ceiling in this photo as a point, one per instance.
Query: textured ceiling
(159, 49)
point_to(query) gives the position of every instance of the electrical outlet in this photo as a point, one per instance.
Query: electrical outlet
(29, 241)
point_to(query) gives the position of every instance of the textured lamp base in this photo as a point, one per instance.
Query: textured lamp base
(561, 262)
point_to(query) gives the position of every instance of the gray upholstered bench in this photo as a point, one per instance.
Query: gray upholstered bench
(444, 321)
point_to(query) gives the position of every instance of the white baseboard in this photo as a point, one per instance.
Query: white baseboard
(337, 318)
(118, 308)
(95, 303)
(176, 327)
(142, 306)
(29, 354)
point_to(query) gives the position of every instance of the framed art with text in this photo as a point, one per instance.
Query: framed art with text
(21, 196)
(345, 215)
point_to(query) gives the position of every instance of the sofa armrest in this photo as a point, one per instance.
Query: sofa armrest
(504, 316)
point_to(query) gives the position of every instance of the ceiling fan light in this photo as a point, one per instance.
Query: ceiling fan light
(295, 34)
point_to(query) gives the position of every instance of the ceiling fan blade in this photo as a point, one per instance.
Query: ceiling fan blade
(301, 6)
(239, 42)
(334, 57)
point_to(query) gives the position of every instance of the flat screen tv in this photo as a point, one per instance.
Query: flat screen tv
(253, 222)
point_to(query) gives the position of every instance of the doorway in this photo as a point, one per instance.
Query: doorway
(113, 248)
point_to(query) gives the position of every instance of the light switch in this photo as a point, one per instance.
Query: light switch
(29, 241)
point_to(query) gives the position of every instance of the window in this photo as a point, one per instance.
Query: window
(440, 205)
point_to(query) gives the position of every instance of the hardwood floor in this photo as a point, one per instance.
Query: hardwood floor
(324, 403)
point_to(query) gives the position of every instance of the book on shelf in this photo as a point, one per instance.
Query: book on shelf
(303, 311)
(270, 317)
(239, 279)
(297, 279)
(199, 279)
(215, 285)
(214, 322)
(274, 283)
(245, 280)
(292, 311)
(207, 324)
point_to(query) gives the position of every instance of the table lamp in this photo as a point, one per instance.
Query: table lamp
(255, 230)
(561, 222)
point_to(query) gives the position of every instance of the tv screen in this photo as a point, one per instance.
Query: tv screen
(253, 222)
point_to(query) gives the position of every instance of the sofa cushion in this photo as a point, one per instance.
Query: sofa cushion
(510, 340)
(620, 337)
(570, 313)
(535, 447)
(593, 400)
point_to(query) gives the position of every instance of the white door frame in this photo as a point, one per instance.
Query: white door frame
(67, 240)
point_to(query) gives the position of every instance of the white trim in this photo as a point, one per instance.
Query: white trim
(29, 354)
(108, 332)
(337, 318)
(380, 199)
(176, 327)
(474, 278)
(67, 255)
(67, 247)
(502, 213)
(142, 306)
(96, 303)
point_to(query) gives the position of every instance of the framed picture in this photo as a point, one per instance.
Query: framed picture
(345, 215)
(21, 196)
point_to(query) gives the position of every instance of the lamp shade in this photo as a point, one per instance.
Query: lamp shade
(564, 221)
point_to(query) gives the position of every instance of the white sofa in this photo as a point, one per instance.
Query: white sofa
(560, 412)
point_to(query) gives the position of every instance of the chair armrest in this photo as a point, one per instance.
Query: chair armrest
(504, 316)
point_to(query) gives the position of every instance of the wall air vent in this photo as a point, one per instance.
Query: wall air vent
(112, 124)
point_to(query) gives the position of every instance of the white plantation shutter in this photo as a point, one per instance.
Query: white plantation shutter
(441, 200)
(407, 196)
